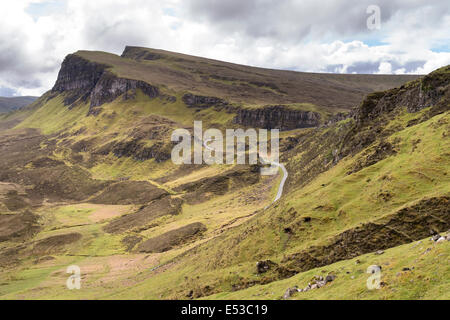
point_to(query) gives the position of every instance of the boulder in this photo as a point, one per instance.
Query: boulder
(289, 292)
(436, 237)
(441, 239)
(374, 269)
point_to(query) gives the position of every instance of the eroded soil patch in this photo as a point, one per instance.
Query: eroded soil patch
(141, 218)
(54, 244)
(172, 238)
(129, 192)
(203, 189)
(18, 226)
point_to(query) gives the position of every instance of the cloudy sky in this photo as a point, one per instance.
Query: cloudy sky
(303, 35)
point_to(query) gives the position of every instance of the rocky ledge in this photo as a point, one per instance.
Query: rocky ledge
(431, 90)
(277, 117)
(269, 117)
(81, 79)
(110, 87)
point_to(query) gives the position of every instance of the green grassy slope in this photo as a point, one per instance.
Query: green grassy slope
(376, 181)
(418, 170)
(418, 270)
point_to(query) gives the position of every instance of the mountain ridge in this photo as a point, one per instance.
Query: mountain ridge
(8, 104)
(93, 185)
(166, 71)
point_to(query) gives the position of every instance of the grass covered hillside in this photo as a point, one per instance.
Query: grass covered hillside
(86, 179)
(242, 84)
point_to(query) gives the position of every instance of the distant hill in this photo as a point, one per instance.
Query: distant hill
(13, 103)
(235, 83)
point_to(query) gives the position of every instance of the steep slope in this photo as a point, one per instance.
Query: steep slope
(364, 184)
(418, 270)
(86, 179)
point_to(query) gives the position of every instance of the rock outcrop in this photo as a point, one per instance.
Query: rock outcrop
(277, 117)
(77, 78)
(269, 117)
(81, 79)
(431, 90)
(109, 87)
(316, 283)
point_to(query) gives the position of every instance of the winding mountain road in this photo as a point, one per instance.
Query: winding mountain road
(265, 161)
(279, 192)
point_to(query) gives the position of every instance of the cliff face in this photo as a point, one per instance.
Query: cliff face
(77, 73)
(431, 90)
(270, 117)
(110, 87)
(81, 79)
(77, 78)
(277, 117)
(378, 108)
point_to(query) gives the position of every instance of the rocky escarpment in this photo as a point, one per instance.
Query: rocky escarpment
(81, 79)
(378, 108)
(431, 90)
(269, 117)
(109, 87)
(77, 78)
(277, 117)
(367, 129)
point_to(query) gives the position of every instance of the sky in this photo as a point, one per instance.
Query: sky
(358, 36)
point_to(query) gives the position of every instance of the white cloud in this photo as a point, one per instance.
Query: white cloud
(385, 68)
(306, 35)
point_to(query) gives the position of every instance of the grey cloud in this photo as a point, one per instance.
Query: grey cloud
(269, 33)
(7, 92)
(363, 67)
(113, 36)
(218, 10)
(293, 21)
(19, 67)
(368, 67)
(409, 66)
